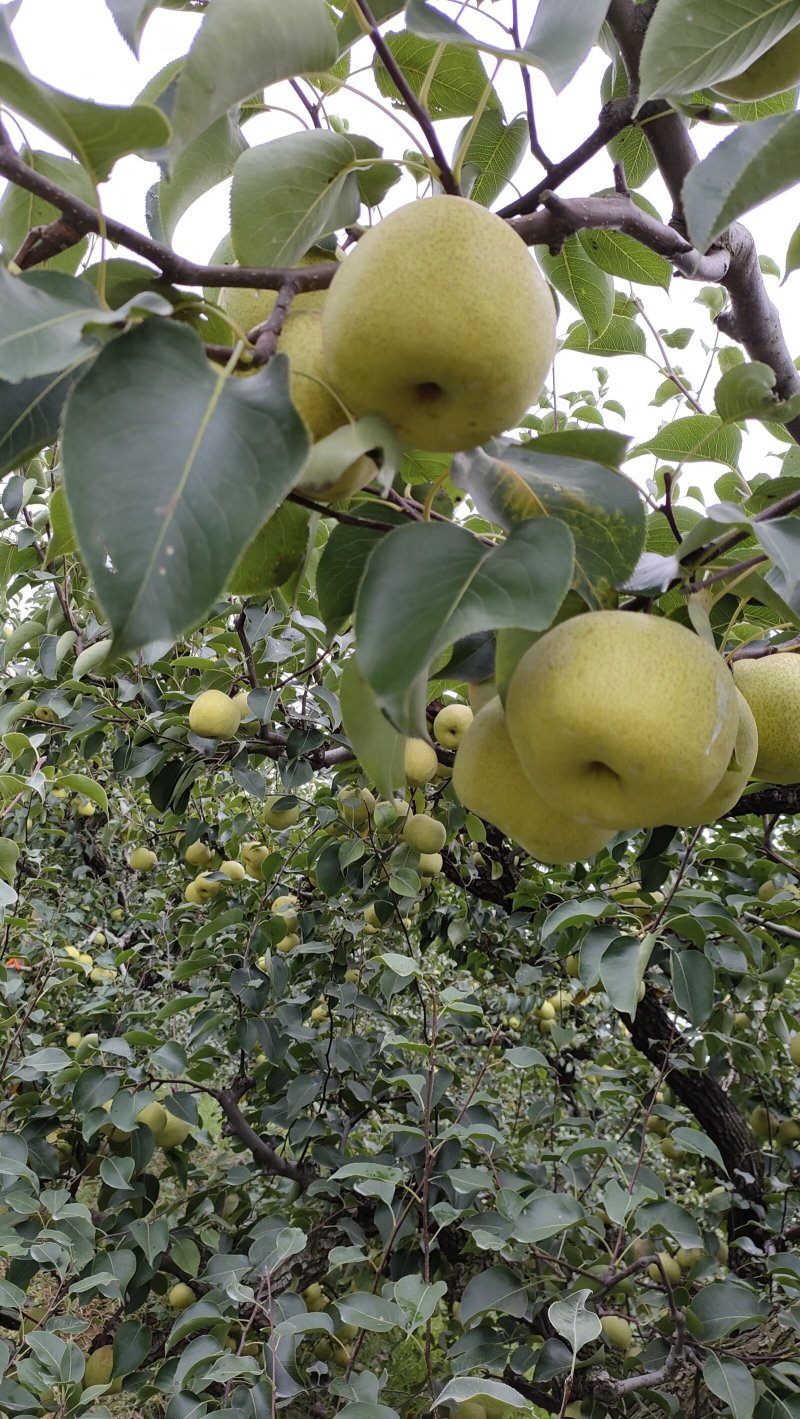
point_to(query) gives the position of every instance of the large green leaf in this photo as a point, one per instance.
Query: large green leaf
(30, 413)
(451, 79)
(571, 1319)
(288, 193)
(206, 161)
(496, 1289)
(428, 584)
(622, 968)
(96, 134)
(622, 336)
(130, 17)
(557, 44)
(731, 1381)
(242, 47)
(693, 985)
(723, 1307)
(546, 1216)
(342, 564)
(602, 508)
(630, 147)
(496, 150)
(780, 539)
(578, 278)
(21, 211)
(699, 438)
(168, 467)
(689, 46)
(43, 315)
(756, 161)
(277, 549)
(623, 256)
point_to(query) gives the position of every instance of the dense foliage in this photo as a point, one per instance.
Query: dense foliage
(294, 1116)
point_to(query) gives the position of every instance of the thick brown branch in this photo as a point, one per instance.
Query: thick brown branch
(614, 116)
(262, 1150)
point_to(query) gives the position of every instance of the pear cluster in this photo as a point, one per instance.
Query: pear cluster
(611, 721)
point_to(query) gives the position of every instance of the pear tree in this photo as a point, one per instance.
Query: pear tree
(399, 858)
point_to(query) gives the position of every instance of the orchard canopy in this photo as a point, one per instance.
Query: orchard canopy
(357, 1058)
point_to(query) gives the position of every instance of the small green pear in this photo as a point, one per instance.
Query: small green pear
(771, 687)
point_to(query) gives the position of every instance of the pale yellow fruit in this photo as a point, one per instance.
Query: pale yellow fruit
(319, 1013)
(763, 1123)
(480, 694)
(356, 805)
(573, 966)
(288, 943)
(246, 716)
(623, 720)
(671, 1269)
(320, 409)
(617, 1332)
(117, 914)
(286, 908)
(773, 72)
(687, 1259)
(199, 854)
(175, 1131)
(741, 1020)
(794, 1050)
(73, 1039)
(771, 687)
(233, 870)
(154, 1116)
(767, 890)
(547, 1010)
(98, 1369)
(671, 1149)
(180, 1296)
(98, 938)
(788, 1132)
(45, 714)
(86, 809)
(489, 780)
(248, 308)
(424, 833)
(467, 356)
(279, 818)
(560, 1001)
(252, 855)
(451, 724)
(193, 894)
(371, 918)
(206, 888)
(352, 976)
(315, 1297)
(142, 859)
(430, 864)
(214, 716)
(734, 780)
(102, 975)
(419, 761)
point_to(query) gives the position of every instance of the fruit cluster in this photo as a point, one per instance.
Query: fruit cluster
(614, 721)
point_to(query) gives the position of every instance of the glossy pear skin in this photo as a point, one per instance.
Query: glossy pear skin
(623, 719)
(773, 72)
(771, 687)
(441, 321)
(734, 780)
(490, 781)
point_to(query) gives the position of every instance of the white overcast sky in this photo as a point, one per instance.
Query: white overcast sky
(74, 45)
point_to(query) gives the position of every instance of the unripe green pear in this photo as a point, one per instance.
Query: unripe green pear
(451, 724)
(767, 890)
(672, 1270)
(467, 356)
(773, 72)
(248, 307)
(355, 805)
(286, 908)
(617, 1332)
(280, 818)
(175, 1131)
(610, 754)
(734, 780)
(142, 859)
(490, 781)
(794, 1049)
(234, 871)
(180, 1296)
(469, 1409)
(214, 716)
(424, 833)
(771, 687)
(199, 854)
(420, 761)
(155, 1117)
(99, 1365)
(253, 855)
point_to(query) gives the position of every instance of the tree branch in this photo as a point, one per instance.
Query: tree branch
(262, 1151)
(614, 116)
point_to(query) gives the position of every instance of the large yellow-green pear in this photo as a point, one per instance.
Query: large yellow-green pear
(320, 409)
(490, 781)
(732, 784)
(214, 716)
(623, 720)
(771, 687)
(773, 72)
(441, 321)
(248, 308)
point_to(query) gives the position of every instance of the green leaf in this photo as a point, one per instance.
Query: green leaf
(693, 1141)
(580, 281)
(630, 147)
(342, 564)
(375, 742)
(206, 161)
(130, 18)
(793, 253)
(546, 1216)
(731, 1381)
(81, 783)
(9, 852)
(462, 1389)
(496, 149)
(454, 77)
(574, 1322)
(688, 47)
(131, 1347)
(369, 1312)
(756, 161)
(623, 256)
(601, 507)
(21, 211)
(42, 319)
(348, 29)
(780, 539)
(165, 486)
(242, 47)
(747, 392)
(62, 533)
(30, 413)
(699, 438)
(274, 553)
(622, 336)
(693, 979)
(622, 968)
(496, 1289)
(723, 1307)
(429, 584)
(288, 193)
(96, 134)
